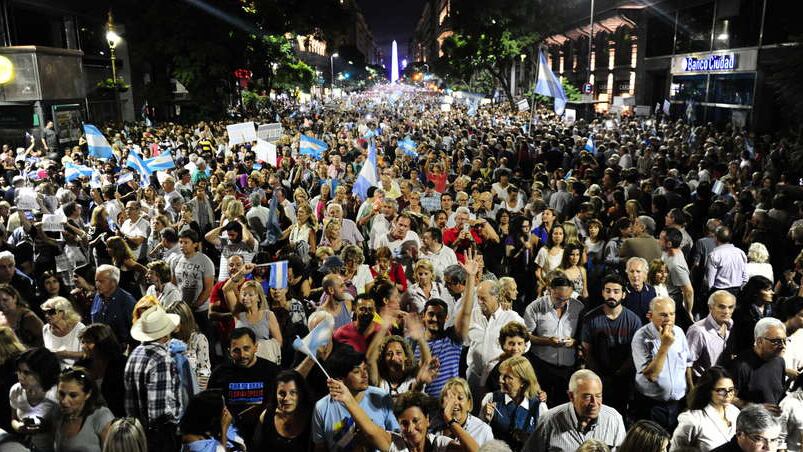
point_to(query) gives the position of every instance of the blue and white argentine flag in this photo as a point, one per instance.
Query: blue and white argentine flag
(278, 275)
(162, 162)
(549, 85)
(408, 146)
(73, 171)
(97, 144)
(136, 163)
(367, 177)
(317, 338)
(590, 147)
(312, 147)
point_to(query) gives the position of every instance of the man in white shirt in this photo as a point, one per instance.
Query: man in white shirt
(399, 233)
(435, 251)
(381, 224)
(483, 335)
(349, 231)
(135, 229)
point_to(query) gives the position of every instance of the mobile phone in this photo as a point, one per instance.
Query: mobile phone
(29, 215)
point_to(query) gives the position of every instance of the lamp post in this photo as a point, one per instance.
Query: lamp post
(332, 71)
(113, 39)
(590, 40)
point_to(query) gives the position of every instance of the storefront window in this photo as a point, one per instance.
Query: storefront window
(732, 89)
(688, 87)
(738, 23)
(660, 32)
(694, 29)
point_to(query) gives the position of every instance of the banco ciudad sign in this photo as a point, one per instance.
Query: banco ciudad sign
(718, 62)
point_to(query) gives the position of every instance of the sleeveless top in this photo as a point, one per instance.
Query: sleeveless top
(343, 317)
(260, 328)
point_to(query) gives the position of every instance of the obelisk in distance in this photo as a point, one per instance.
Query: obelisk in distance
(394, 63)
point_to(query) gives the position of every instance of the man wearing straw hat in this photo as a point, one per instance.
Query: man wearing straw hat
(151, 379)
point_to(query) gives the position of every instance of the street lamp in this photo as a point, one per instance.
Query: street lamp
(332, 70)
(113, 39)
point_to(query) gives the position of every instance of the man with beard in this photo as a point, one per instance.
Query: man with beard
(446, 344)
(245, 381)
(606, 336)
(359, 332)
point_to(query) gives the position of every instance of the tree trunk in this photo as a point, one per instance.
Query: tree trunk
(500, 76)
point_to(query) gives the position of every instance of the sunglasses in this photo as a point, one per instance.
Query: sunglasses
(49, 312)
(777, 342)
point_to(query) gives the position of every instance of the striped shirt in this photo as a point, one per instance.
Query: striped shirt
(447, 349)
(557, 430)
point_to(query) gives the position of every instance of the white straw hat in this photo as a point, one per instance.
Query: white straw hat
(154, 324)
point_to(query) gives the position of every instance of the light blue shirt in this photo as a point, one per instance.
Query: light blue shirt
(671, 382)
(333, 424)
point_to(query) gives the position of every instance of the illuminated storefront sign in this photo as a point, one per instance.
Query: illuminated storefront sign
(719, 62)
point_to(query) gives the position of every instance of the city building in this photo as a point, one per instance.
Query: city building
(710, 58)
(432, 28)
(45, 43)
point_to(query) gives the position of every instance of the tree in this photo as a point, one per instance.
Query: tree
(490, 36)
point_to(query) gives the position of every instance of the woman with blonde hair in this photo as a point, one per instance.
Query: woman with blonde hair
(10, 350)
(251, 310)
(62, 332)
(130, 270)
(457, 392)
(355, 271)
(657, 276)
(332, 236)
(508, 292)
(758, 258)
(510, 418)
(125, 435)
(425, 288)
(301, 234)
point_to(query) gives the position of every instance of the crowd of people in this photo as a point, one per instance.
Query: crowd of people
(509, 282)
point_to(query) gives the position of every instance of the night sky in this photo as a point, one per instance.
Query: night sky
(389, 20)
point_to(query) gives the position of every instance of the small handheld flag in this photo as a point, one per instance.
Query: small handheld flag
(312, 147)
(73, 171)
(97, 144)
(317, 338)
(278, 275)
(162, 162)
(408, 146)
(367, 177)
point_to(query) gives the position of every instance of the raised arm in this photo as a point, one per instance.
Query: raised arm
(376, 436)
(463, 318)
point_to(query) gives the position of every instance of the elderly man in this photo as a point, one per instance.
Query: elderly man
(638, 293)
(553, 320)
(483, 333)
(565, 427)
(758, 372)
(349, 231)
(661, 356)
(708, 336)
(111, 305)
(135, 229)
(642, 243)
(381, 224)
(756, 430)
(10, 274)
(467, 233)
(152, 383)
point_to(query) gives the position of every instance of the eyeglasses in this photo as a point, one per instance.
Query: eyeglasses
(779, 342)
(758, 439)
(724, 392)
(74, 374)
(49, 312)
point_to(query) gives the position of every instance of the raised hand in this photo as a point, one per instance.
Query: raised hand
(667, 335)
(472, 264)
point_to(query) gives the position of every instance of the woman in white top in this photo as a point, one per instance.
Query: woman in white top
(758, 258)
(303, 230)
(425, 288)
(33, 399)
(711, 419)
(197, 345)
(411, 412)
(457, 393)
(161, 285)
(354, 270)
(549, 256)
(657, 277)
(61, 333)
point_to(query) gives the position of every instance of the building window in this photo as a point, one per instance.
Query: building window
(738, 23)
(780, 26)
(688, 87)
(633, 54)
(660, 32)
(632, 87)
(610, 84)
(694, 29)
(611, 55)
(732, 89)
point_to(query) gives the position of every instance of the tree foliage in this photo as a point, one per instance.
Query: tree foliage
(489, 36)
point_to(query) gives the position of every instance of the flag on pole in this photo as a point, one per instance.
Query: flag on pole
(667, 105)
(549, 85)
(278, 275)
(135, 162)
(590, 146)
(473, 106)
(367, 177)
(162, 162)
(97, 144)
(273, 230)
(317, 338)
(125, 177)
(73, 171)
(312, 147)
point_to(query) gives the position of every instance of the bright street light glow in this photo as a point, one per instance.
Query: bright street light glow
(113, 38)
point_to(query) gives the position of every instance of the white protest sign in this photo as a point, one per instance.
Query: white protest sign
(448, 100)
(64, 264)
(643, 111)
(265, 152)
(523, 105)
(52, 223)
(446, 107)
(26, 199)
(243, 132)
(570, 115)
(270, 132)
